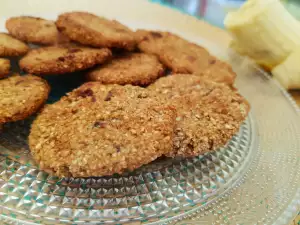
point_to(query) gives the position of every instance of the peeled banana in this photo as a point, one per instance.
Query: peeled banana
(288, 72)
(263, 30)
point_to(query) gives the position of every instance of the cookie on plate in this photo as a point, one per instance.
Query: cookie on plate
(208, 113)
(4, 67)
(33, 30)
(60, 60)
(10, 46)
(99, 130)
(21, 96)
(136, 69)
(89, 29)
(218, 71)
(182, 56)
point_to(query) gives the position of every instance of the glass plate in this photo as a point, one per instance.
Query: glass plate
(253, 179)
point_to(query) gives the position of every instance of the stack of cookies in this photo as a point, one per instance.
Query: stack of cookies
(147, 94)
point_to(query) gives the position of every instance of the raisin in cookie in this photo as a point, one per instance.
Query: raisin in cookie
(89, 29)
(208, 113)
(182, 56)
(21, 96)
(136, 69)
(33, 30)
(10, 46)
(99, 130)
(60, 60)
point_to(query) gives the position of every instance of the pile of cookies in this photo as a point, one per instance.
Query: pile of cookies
(147, 94)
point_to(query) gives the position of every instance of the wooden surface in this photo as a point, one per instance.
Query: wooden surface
(166, 17)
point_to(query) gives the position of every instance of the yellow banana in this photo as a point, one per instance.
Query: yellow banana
(288, 72)
(263, 30)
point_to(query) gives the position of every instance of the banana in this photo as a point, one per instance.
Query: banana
(288, 72)
(263, 30)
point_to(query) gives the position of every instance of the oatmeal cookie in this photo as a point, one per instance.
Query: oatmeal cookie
(4, 67)
(218, 71)
(89, 29)
(99, 130)
(136, 69)
(21, 96)
(33, 30)
(10, 46)
(182, 56)
(60, 60)
(208, 113)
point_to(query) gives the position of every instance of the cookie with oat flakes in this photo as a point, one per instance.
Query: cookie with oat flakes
(60, 60)
(182, 56)
(21, 96)
(208, 113)
(218, 71)
(132, 68)
(10, 46)
(99, 130)
(89, 29)
(4, 67)
(33, 30)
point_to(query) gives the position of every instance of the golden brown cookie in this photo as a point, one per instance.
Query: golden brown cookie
(218, 71)
(89, 29)
(99, 130)
(21, 96)
(4, 67)
(182, 56)
(208, 113)
(60, 60)
(33, 30)
(136, 69)
(10, 46)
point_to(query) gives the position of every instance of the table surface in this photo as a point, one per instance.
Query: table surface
(194, 26)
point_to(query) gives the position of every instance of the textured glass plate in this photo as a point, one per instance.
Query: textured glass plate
(164, 188)
(254, 179)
